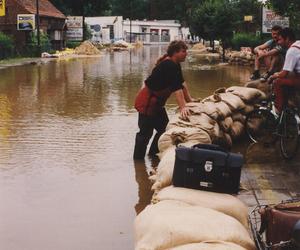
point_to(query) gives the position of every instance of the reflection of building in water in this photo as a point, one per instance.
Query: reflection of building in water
(5, 127)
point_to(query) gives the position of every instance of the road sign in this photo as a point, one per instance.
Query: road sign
(2, 7)
(26, 22)
(270, 19)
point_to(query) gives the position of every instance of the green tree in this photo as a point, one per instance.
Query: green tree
(214, 20)
(247, 8)
(290, 8)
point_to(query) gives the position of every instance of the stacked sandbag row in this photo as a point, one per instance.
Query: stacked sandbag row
(245, 58)
(186, 219)
(218, 119)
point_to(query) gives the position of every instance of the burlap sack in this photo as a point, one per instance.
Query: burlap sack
(224, 203)
(209, 245)
(226, 124)
(233, 101)
(169, 224)
(177, 135)
(237, 130)
(164, 171)
(238, 117)
(221, 108)
(248, 95)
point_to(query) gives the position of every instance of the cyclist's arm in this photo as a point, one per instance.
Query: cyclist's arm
(281, 74)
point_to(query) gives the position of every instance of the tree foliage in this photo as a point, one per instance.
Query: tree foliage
(290, 8)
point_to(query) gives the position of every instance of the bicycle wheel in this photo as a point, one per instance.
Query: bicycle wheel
(289, 138)
(260, 126)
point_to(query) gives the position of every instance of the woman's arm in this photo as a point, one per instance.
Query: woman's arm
(184, 111)
(186, 93)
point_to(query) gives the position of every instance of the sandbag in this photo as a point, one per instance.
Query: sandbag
(224, 203)
(202, 121)
(247, 109)
(164, 172)
(238, 117)
(177, 135)
(237, 130)
(226, 124)
(233, 101)
(207, 108)
(169, 224)
(221, 108)
(224, 140)
(248, 95)
(209, 245)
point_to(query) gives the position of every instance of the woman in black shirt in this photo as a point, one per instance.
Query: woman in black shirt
(165, 79)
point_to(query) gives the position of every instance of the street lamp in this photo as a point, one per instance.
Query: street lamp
(38, 26)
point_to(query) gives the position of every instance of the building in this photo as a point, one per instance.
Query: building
(152, 32)
(105, 29)
(52, 21)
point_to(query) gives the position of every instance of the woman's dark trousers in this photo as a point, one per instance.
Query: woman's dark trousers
(147, 124)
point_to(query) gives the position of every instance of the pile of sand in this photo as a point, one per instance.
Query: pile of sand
(87, 48)
(199, 46)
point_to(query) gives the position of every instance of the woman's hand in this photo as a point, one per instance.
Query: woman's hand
(185, 112)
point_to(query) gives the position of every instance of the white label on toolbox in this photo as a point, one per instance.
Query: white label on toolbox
(208, 166)
(206, 184)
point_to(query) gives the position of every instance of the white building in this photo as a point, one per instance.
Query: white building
(105, 29)
(152, 32)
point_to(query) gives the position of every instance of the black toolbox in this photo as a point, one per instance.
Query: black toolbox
(207, 167)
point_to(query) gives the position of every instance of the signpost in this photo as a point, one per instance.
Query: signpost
(2, 7)
(270, 19)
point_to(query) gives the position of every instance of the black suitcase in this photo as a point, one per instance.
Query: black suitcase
(207, 167)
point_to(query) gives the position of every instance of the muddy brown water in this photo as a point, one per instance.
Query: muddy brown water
(67, 128)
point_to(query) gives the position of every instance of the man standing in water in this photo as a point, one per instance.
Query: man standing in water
(165, 79)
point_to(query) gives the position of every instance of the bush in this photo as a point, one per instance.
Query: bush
(245, 40)
(32, 45)
(72, 44)
(6, 46)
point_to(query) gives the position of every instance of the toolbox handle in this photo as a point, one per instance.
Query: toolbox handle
(210, 147)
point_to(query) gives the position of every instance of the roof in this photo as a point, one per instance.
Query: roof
(45, 8)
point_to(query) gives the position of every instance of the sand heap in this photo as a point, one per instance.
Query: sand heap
(199, 46)
(87, 48)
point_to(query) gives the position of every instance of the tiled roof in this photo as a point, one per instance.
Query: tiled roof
(45, 8)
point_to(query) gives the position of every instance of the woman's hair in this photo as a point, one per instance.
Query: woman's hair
(174, 47)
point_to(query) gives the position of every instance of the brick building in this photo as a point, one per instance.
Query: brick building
(52, 21)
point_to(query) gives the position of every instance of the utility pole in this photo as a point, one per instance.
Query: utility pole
(130, 22)
(38, 26)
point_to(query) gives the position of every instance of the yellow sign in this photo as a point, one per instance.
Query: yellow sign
(26, 21)
(248, 18)
(2, 7)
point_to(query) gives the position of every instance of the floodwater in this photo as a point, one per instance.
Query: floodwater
(67, 128)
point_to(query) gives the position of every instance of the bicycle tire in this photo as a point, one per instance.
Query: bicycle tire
(260, 126)
(289, 139)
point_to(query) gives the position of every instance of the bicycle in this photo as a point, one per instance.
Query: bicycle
(265, 126)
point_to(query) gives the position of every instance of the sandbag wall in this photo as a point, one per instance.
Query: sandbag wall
(186, 219)
(245, 58)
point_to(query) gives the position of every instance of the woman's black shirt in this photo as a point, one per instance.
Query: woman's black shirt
(165, 75)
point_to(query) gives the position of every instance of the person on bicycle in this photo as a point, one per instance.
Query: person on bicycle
(271, 54)
(290, 75)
